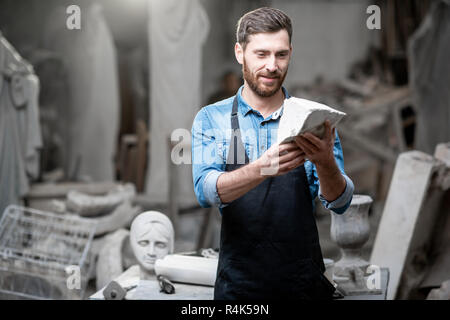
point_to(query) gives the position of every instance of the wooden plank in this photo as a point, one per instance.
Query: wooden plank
(381, 102)
(368, 145)
(141, 162)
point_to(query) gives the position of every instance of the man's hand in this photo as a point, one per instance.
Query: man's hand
(276, 161)
(280, 159)
(318, 151)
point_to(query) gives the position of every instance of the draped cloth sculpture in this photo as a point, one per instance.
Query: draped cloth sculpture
(90, 58)
(177, 30)
(428, 51)
(20, 131)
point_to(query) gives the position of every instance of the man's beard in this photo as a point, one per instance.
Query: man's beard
(266, 92)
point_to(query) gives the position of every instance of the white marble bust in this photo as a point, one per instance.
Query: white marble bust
(151, 237)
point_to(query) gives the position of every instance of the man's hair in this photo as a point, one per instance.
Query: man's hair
(262, 20)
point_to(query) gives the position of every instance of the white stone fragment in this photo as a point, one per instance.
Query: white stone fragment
(90, 205)
(301, 115)
(188, 269)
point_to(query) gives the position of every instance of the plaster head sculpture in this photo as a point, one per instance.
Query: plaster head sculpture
(151, 237)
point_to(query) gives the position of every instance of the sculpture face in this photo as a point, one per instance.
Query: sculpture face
(150, 244)
(151, 238)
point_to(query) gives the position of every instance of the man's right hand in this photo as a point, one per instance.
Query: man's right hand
(276, 161)
(279, 159)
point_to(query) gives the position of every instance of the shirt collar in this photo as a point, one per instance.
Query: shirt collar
(244, 108)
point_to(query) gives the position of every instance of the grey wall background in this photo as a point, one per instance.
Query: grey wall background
(339, 39)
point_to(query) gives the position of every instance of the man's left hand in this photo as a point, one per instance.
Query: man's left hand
(318, 151)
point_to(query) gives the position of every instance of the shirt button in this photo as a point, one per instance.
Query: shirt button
(263, 147)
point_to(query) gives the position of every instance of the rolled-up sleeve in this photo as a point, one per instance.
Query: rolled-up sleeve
(207, 165)
(343, 201)
(340, 204)
(210, 188)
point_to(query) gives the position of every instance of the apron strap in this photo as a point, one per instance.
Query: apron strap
(236, 154)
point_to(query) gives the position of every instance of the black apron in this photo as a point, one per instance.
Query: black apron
(269, 244)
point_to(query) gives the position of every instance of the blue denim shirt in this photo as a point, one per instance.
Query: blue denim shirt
(211, 133)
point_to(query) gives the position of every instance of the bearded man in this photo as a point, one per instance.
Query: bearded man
(269, 244)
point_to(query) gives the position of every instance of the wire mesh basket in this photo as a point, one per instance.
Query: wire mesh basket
(44, 255)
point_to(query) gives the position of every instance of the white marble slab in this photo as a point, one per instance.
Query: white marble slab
(302, 115)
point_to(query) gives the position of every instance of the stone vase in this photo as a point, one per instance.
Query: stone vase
(350, 231)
